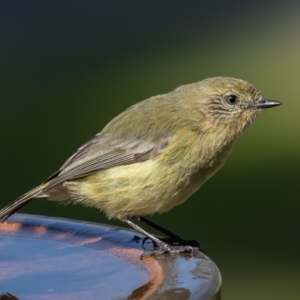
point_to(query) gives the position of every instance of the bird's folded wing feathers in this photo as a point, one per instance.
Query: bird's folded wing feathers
(102, 153)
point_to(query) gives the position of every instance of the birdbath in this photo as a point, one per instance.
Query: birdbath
(51, 258)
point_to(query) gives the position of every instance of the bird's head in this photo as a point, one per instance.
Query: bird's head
(231, 104)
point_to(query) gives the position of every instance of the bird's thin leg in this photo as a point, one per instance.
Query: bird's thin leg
(157, 241)
(163, 247)
(175, 239)
(159, 228)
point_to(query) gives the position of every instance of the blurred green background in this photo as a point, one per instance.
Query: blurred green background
(68, 67)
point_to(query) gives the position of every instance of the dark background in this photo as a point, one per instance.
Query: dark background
(68, 67)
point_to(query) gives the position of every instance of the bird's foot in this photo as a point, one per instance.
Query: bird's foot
(172, 250)
(168, 243)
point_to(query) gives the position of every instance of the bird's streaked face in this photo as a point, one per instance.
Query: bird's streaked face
(233, 103)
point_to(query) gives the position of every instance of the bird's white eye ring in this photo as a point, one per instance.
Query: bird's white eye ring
(232, 99)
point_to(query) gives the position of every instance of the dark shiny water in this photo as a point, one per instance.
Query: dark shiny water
(42, 258)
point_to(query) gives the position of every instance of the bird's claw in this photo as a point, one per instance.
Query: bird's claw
(171, 250)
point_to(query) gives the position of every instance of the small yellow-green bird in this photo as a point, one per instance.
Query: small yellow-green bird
(155, 154)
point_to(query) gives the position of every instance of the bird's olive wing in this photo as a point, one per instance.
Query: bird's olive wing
(103, 152)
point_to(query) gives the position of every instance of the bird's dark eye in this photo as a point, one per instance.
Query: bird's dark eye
(232, 99)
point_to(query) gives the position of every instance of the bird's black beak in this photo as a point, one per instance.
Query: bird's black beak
(264, 103)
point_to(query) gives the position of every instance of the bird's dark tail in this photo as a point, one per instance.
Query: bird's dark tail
(14, 206)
